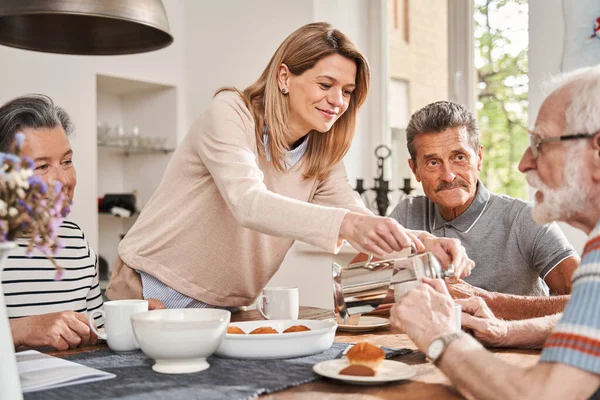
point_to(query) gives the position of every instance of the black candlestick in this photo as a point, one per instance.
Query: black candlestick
(407, 188)
(359, 187)
(382, 187)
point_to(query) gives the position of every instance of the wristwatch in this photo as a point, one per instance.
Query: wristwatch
(439, 345)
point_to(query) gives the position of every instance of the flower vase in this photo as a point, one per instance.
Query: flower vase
(9, 375)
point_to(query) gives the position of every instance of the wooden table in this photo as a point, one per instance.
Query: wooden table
(428, 383)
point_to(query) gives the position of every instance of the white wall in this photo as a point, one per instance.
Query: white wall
(217, 43)
(71, 82)
(546, 32)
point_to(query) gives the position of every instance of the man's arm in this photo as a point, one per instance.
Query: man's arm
(511, 307)
(495, 332)
(559, 279)
(479, 374)
(425, 313)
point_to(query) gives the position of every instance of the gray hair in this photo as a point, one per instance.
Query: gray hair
(436, 118)
(583, 108)
(30, 111)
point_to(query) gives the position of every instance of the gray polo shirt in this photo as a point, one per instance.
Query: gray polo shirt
(512, 253)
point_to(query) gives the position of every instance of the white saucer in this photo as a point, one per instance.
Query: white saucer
(388, 371)
(365, 324)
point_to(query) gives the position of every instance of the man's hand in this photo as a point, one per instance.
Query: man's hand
(61, 330)
(376, 235)
(449, 251)
(486, 328)
(425, 313)
(155, 304)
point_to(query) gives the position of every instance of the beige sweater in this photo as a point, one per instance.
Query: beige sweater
(222, 220)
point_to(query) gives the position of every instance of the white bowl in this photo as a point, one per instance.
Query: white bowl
(278, 345)
(180, 340)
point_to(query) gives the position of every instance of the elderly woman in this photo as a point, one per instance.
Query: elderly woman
(259, 169)
(44, 311)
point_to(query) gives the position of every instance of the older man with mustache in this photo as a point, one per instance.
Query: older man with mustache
(563, 164)
(516, 259)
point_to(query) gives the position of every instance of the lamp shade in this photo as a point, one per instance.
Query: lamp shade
(86, 27)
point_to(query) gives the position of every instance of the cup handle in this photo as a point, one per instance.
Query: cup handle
(259, 305)
(93, 324)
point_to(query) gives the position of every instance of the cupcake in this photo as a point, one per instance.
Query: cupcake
(366, 354)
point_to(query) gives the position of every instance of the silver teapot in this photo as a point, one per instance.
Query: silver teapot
(375, 285)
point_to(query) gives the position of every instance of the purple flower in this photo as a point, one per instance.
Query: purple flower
(57, 186)
(12, 158)
(19, 138)
(28, 162)
(60, 274)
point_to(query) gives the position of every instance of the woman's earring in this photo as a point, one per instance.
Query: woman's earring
(284, 91)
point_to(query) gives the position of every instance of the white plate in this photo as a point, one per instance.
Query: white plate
(366, 324)
(279, 345)
(388, 371)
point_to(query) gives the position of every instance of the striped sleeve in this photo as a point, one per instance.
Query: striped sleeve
(94, 296)
(576, 338)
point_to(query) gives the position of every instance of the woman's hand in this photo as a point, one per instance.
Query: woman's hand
(155, 304)
(449, 251)
(61, 330)
(376, 235)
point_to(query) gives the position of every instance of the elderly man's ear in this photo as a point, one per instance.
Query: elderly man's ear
(413, 168)
(596, 158)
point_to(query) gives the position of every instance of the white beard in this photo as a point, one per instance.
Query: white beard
(563, 203)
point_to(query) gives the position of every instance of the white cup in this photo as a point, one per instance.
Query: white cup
(458, 316)
(278, 303)
(117, 323)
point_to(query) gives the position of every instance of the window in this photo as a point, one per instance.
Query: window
(501, 42)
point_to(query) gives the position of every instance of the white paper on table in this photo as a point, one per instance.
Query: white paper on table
(40, 371)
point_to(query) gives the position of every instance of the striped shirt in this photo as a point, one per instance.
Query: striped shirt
(28, 280)
(154, 289)
(576, 338)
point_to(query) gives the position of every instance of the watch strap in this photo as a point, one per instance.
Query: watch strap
(446, 340)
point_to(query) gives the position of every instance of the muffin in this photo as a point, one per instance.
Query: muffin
(366, 354)
(263, 330)
(297, 328)
(357, 370)
(235, 330)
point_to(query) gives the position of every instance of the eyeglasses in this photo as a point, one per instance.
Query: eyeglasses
(535, 141)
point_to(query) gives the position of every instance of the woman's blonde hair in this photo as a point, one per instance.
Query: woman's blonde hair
(301, 51)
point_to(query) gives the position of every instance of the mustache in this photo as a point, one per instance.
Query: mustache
(533, 179)
(455, 184)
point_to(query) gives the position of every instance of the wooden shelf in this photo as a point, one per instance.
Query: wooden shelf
(140, 150)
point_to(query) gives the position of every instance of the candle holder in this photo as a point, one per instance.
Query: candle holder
(407, 189)
(359, 187)
(382, 186)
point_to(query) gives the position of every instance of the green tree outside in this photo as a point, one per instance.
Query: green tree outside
(502, 86)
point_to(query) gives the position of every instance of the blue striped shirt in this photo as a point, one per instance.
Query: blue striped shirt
(576, 338)
(153, 288)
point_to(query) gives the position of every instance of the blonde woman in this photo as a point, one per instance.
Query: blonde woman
(259, 169)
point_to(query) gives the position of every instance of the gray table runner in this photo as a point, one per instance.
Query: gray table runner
(225, 379)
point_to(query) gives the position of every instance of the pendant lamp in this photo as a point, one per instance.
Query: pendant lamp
(85, 27)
